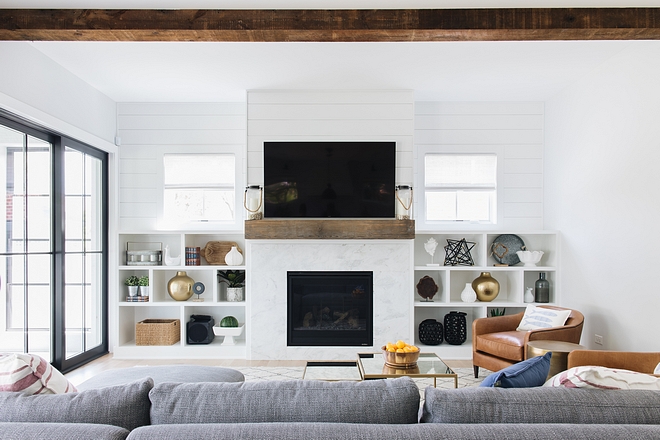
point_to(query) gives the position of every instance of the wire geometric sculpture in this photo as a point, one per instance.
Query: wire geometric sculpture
(457, 252)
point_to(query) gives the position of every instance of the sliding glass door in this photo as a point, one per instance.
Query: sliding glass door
(53, 254)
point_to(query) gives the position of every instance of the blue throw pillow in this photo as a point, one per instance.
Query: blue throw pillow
(528, 373)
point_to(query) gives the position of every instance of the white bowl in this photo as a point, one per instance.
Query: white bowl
(530, 258)
(229, 333)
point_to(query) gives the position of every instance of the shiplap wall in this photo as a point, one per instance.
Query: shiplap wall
(330, 115)
(512, 130)
(149, 130)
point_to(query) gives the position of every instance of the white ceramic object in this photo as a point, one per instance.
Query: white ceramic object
(233, 257)
(169, 260)
(468, 294)
(229, 333)
(529, 295)
(132, 291)
(144, 290)
(529, 258)
(429, 247)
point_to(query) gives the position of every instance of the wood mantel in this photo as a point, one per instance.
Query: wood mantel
(383, 25)
(336, 229)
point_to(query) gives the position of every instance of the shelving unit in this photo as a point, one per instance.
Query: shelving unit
(162, 306)
(451, 281)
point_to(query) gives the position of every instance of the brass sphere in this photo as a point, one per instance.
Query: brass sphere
(486, 287)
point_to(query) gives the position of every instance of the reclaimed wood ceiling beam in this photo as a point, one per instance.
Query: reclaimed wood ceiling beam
(384, 25)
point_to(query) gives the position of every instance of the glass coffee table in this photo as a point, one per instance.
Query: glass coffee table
(373, 366)
(331, 370)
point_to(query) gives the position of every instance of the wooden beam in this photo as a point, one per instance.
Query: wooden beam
(336, 229)
(331, 25)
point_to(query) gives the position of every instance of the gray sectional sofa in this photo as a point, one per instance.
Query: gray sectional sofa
(298, 409)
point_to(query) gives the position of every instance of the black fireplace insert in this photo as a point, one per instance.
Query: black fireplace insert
(330, 308)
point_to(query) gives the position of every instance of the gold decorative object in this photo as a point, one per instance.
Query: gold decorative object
(180, 287)
(486, 287)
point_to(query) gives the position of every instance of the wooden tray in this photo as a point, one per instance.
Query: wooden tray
(215, 251)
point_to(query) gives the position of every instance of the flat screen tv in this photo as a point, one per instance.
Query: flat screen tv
(340, 179)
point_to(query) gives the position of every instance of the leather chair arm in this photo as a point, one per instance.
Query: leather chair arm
(643, 362)
(566, 333)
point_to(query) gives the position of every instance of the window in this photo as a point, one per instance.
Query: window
(460, 187)
(199, 187)
(53, 251)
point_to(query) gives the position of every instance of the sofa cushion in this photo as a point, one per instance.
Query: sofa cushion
(163, 373)
(603, 378)
(60, 431)
(348, 431)
(531, 372)
(541, 317)
(540, 405)
(31, 374)
(373, 401)
(126, 406)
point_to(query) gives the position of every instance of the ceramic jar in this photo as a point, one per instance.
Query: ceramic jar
(542, 289)
(233, 257)
(180, 287)
(468, 294)
(486, 287)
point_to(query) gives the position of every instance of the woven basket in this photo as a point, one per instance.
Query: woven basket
(455, 328)
(430, 332)
(158, 332)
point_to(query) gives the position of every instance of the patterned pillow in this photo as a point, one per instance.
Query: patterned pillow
(30, 374)
(540, 317)
(603, 378)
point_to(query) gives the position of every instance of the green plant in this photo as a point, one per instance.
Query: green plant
(132, 281)
(229, 321)
(233, 278)
(143, 281)
(497, 312)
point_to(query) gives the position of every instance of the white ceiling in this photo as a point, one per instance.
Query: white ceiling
(197, 72)
(214, 72)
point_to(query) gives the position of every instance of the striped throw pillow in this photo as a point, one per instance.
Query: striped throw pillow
(31, 374)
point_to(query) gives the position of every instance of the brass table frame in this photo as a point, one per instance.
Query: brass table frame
(437, 368)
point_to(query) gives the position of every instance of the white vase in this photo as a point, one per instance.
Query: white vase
(233, 257)
(529, 295)
(468, 294)
(234, 294)
(132, 290)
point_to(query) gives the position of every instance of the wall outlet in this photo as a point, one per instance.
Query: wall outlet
(598, 339)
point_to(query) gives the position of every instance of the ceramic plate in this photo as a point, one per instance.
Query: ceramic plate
(504, 249)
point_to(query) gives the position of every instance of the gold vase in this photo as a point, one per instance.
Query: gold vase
(180, 287)
(486, 287)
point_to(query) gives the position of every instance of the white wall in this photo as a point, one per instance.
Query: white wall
(512, 130)
(330, 115)
(602, 193)
(148, 130)
(34, 86)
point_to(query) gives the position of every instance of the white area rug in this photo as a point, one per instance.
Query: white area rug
(465, 376)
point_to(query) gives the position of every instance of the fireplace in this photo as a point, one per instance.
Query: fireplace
(330, 308)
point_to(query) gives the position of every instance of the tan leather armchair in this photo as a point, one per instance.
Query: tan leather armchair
(496, 343)
(642, 362)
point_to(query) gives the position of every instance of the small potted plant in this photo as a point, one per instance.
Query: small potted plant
(143, 283)
(234, 280)
(132, 282)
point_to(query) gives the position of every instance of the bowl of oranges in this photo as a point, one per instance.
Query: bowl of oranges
(399, 354)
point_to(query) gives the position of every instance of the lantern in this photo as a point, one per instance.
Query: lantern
(253, 202)
(404, 197)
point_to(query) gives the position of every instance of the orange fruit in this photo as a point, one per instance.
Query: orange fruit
(400, 344)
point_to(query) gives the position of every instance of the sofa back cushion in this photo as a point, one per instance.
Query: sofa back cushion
(126, 406)
(60, 431)
(373, 401)
(541, 405)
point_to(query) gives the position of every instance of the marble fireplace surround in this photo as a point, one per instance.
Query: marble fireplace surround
(389, 260)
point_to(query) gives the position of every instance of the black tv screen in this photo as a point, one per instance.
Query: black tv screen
(329, 179)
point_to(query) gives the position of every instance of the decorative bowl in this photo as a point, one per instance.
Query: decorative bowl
(530, 258)
(400, 360)
(229, 333)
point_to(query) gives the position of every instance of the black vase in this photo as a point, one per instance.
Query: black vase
(455, 328)
(430, 332)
